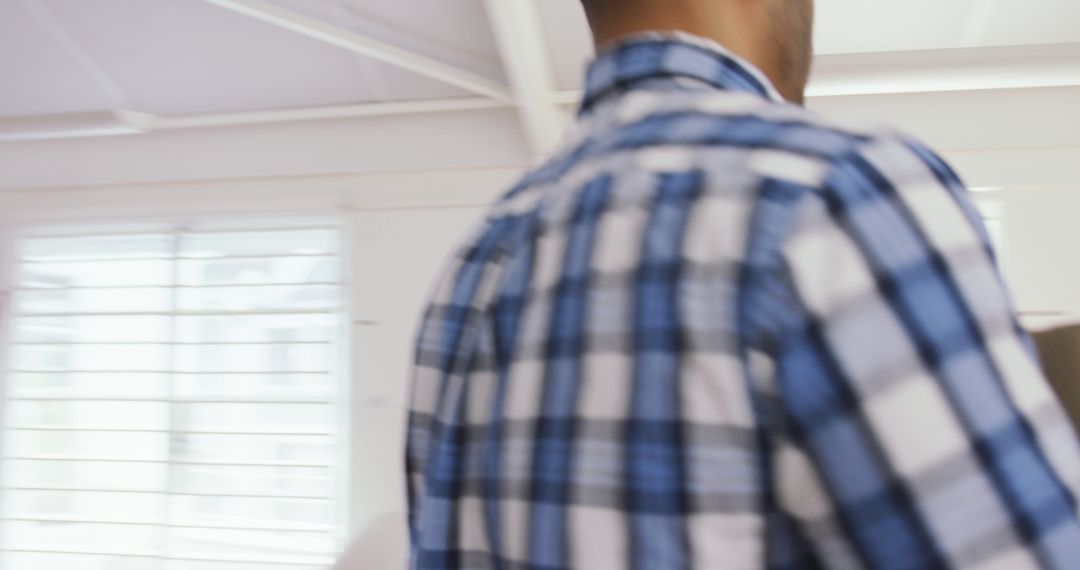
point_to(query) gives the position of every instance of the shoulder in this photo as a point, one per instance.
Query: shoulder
(730, 133)
(742, 146)
(826, 155)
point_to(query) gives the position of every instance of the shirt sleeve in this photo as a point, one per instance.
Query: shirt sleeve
(919, 430)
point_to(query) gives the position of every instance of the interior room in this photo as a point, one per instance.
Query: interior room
(220, 221)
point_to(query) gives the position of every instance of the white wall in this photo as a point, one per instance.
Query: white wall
(410, 187)
(401, 227)
(399, 253)
(400, 143)
(1009, 138)
(1042, 234)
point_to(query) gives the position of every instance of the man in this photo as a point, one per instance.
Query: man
(717, 331)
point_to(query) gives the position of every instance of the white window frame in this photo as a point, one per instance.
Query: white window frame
(343, 220)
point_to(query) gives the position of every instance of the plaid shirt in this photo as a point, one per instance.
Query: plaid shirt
(717, 331)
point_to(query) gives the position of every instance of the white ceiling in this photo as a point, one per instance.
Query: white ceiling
(169, 57)
(179, 59)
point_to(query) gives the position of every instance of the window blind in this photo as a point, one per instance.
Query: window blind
(174, 398)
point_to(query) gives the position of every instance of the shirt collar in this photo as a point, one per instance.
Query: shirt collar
(669, 58)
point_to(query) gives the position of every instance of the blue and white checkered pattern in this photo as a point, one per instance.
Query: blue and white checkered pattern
(719, 332)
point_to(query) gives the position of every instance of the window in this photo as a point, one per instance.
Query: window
(173, 398)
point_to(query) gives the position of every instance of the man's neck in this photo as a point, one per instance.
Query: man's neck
(723, 22)
(712, 20)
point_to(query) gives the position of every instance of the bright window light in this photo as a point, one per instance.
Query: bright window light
(173, 398)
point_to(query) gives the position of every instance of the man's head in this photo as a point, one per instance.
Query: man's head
(775, 35)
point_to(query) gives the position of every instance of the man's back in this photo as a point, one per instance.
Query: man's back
(719, 332)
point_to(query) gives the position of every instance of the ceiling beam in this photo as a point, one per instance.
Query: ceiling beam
(367, 46)
(395, 108)
(524, 54)
(105, 123)
(70, 125)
